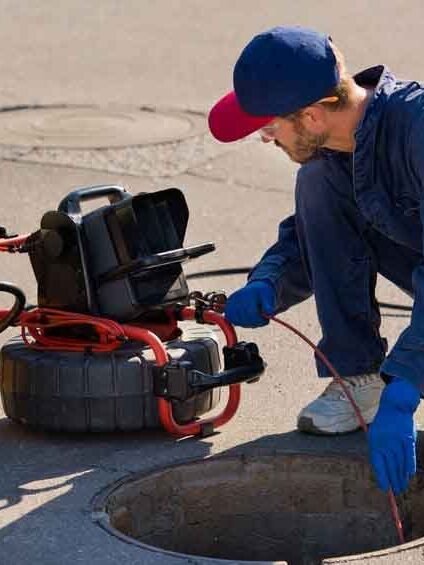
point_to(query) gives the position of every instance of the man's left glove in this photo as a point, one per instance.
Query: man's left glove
(392, 436)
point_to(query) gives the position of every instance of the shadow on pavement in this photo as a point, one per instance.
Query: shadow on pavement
(48, 482)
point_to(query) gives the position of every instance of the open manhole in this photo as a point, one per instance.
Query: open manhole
(294, 508)
(93, 127)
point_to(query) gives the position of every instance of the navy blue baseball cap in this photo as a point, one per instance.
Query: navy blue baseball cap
(279, 72)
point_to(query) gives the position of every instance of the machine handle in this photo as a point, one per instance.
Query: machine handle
(156, 261)
(200, 381)
(242, 363)
(180, 381)
(71, 204)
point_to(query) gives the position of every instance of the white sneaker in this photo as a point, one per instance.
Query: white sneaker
(332, 412)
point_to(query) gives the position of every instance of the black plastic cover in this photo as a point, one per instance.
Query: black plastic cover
(120, 260)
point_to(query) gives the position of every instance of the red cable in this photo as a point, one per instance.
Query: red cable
(36, 324)
(392, 501)
(12, 243)
(110, 334)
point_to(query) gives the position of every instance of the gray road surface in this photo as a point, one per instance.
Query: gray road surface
(174, 58)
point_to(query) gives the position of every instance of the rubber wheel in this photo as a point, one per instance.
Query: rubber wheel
(96, 392)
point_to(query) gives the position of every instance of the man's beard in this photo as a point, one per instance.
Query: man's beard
(306, 147)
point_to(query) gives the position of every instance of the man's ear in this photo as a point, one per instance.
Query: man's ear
(313, 118)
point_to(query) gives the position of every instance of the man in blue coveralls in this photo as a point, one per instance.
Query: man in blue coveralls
(359, 211)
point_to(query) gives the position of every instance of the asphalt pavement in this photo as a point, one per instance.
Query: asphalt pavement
(73, 76)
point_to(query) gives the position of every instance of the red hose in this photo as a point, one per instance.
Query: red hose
(392, 501)
(12, 243)
(36, 324)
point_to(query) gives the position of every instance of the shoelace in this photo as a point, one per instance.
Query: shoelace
(365, 379)
(334, 390)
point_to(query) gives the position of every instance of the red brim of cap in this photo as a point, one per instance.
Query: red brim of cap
(229, 122)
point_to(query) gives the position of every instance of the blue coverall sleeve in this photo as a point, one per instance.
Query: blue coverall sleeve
(406, 359)
(282, 266)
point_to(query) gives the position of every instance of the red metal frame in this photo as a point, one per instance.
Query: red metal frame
(208, 424)
(35, 322)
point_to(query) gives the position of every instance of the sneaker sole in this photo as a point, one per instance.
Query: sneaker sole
(306, 426)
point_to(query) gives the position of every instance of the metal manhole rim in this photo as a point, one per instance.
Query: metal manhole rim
(192, 116)
(100, 516)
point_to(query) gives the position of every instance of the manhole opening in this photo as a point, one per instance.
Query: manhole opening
(293, 507)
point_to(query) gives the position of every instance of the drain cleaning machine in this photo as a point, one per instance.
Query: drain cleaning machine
(103, 349)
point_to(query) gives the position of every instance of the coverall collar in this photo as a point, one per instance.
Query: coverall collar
(383, 81)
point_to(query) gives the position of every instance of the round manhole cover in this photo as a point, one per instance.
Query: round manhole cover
(292, 508)
(92, 127)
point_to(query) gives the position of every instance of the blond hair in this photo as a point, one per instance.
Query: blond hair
(344, 88)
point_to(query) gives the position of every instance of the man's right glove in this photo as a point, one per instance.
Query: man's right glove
(392, 436)
(245, 306)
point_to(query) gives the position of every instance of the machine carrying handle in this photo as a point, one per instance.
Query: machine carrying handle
(71, 204)
(180, 381)
(242, 364)
(200, 382)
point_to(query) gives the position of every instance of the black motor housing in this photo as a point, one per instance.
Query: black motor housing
(118, 261)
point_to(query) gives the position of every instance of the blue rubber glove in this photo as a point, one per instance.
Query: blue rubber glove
(392, 436)
(244, 307)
